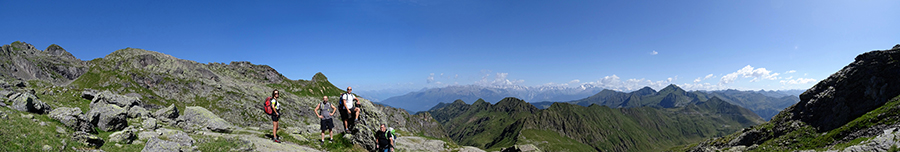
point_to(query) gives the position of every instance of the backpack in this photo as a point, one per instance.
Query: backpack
(390, 134)
(341, 101)
(268, 105)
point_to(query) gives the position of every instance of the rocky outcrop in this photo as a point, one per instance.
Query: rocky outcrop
(200, 118)
(108, 117)
(27, 102)
(168, 114)
(88, 139)
(72, 118)
(860, 87)
(107, 97)
(54, 64)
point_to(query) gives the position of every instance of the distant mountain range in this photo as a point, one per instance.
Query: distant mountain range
(425, 99)
(569, 127)
(764, 103)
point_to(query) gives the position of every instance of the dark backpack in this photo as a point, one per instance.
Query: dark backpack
(341, 101)
(268, 105)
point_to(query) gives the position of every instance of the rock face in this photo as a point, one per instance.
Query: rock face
(168, 114)
(860, 87)
(29, 103)
(53, 64)
(73, 118)
(108, 117)
(202, 118)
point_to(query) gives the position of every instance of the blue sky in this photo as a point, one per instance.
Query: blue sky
(384, 44)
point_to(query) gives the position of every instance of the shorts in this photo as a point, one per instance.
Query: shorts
(347, 114)
(326, 124)
(275, 117)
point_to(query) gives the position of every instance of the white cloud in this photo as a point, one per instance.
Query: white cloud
(654, 52)
(574, 81)
(704, 78)
(791, 71)
(615, 83)
(499, 80)
(749, 72)
(430, 78)
(798, 81)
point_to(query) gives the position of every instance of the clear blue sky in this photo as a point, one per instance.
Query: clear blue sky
(399, 44)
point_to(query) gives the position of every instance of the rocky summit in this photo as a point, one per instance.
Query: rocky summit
(139, 100)
(854, 109)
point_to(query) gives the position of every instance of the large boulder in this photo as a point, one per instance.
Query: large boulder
(108, 117)
(125, 136)
(364, 137)
(168, 114)
(138, 112)
(199, 116)
(27, 102)
(89, 94)
(174, 141)
(73, 118)
(107, 97)
(87, 139)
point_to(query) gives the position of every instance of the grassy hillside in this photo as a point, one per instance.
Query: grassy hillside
(514, 122)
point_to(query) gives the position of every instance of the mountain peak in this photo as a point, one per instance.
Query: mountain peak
(672, 88)
(645, 91)
(319, 77)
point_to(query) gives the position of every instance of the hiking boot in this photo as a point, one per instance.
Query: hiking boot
(276, 141)
(330, 139)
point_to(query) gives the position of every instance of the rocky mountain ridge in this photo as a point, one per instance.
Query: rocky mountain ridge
(149, 100)
(851, 110)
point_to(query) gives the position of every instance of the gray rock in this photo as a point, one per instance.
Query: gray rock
(46, 148)
(204, 118)
(137, 112)
(149, 124)
(29, 103)
(168, 114)
(158, 145)
(73, 118)
(175, 136)
(419, 144)
(124, 136)
(107, 97)
(88, 139)
(108, 117)
(147, 135)
(6, 93)
(2, 104)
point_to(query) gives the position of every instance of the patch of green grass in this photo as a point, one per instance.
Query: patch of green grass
(23, 134)
(551, 141)
(206, 143)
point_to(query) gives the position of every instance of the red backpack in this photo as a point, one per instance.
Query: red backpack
(268, 107)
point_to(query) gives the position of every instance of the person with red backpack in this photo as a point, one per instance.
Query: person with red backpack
(271, 108)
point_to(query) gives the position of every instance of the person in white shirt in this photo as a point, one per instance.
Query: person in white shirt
(348, 108)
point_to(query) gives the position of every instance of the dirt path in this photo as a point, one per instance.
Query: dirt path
(263, 144)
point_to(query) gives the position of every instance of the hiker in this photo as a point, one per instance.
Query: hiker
(384, 141)
(347, 108)
(326, 123)
(273, 103)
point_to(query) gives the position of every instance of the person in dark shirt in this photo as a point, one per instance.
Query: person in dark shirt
(384, 141)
